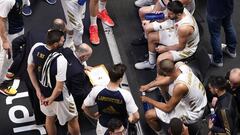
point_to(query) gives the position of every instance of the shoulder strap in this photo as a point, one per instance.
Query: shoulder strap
(225, 122)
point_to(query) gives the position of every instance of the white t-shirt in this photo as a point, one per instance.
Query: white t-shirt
(6, 6)
(130, 103)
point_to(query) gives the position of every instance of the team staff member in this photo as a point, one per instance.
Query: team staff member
(112, 102)
(225, 108)
(47, 70)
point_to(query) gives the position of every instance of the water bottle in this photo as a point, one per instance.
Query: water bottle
(81, 2)
(212, 115)
(146, 105)
(154, 16)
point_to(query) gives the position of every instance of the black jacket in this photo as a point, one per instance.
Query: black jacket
(226, 112)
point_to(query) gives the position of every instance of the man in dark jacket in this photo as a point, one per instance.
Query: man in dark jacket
(225, 109)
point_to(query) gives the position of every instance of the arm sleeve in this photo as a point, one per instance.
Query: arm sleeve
(91, 97)
(30, 55)
(130, 103)
(6, 6)
(61, 68)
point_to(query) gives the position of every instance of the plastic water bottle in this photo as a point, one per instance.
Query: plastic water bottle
(154, 16)
(212, 115)
(146, 105)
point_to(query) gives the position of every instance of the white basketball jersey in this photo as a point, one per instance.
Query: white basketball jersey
(193, 40)
(195, 100)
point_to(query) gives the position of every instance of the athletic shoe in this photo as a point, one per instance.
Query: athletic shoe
(226, 51)
(94, 38)
(51, 2)
(144, 65)
(103, 15)
(10, 91)
(26, 10)
(5, 84)
(220, 64)
(139, 41)
(5, 88)
(141, 3)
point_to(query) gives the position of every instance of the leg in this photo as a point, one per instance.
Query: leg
(143, 10)
(103, 14)
(93, 29)
(152, 120)
(230, 34)
(50, 125)
(214, 26)
(153, 39)
(73, 126)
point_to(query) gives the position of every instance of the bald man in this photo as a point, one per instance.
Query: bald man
(233, 77)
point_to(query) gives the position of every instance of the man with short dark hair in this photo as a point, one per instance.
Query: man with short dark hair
(112, 101)
(177, 127)
(47, 71)
(175, 39)
(115, 127)
(225, 108)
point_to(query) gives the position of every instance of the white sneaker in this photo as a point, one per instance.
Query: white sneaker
(226, 51)
(141, 3)
(144, 65)
(220, 64)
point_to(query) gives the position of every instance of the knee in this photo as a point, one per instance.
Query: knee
(152, 37)
(150, 115)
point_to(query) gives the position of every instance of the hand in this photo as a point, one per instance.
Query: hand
(96, 115)
(130, 118)
(144, 99)
(185, 130)
(47, 101)
(210, 124)
(161, 49)
(39, 95)
(6, 47)
(88, 68)
(214, 101)
(143, 88)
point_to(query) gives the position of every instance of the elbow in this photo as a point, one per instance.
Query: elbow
(133, 118)
(168, 109)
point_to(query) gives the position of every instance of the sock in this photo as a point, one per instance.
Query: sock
(102, 6)
(152, 57)
(9, 76)
(93, 20)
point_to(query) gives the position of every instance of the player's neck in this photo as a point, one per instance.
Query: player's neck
(113, 85)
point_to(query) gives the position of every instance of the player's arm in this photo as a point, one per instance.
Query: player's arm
(183, 34)
(158, 81)
(87, 110)
(33, 78)
(178, 92)
(3, 33)
(186, 2)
